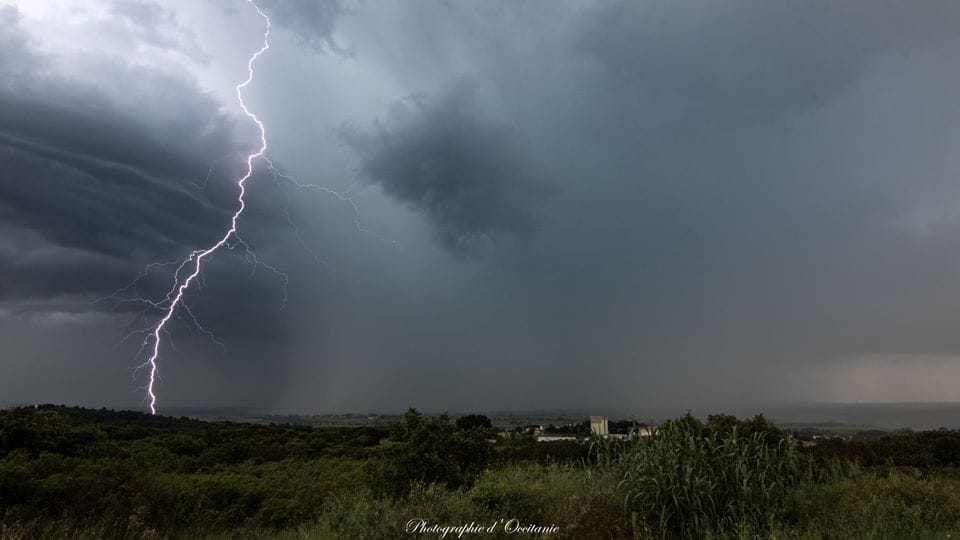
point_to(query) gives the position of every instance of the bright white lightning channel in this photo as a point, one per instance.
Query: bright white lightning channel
(190, 270)
(194, 261)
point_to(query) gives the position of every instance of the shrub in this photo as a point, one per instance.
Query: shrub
(432, 451)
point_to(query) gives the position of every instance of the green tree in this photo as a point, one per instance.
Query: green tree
(432, 451)
(474, 421)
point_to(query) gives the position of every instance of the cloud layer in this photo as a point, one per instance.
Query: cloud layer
(98, 180)
(653, 203)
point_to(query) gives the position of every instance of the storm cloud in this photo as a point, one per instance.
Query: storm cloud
(313, 21)
(466, 173)
(685, 204)
(98, 180)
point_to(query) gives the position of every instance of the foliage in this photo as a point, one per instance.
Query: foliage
(883, 503)
(726, 424)
(624, 427)
(134, 473)
(925, 449)
(581, 503)
(79, 473)
(578, 428)
(694, 480)
(432, 451)
(542, 452)
(474, 421)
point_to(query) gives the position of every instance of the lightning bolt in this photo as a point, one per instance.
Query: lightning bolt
(342, 196)
(189, 271)
(192, 265)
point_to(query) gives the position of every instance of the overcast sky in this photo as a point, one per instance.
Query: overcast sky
(541, 204)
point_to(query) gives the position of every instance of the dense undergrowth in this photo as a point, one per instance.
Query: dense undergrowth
(74, 473)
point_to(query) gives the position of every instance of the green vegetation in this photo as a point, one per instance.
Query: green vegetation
(433, 451)
(76, 473)
(694, 480)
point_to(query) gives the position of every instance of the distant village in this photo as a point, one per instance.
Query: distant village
(600, 426)
(568, 428)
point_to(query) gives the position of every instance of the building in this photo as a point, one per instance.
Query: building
(557, 438)
(599, 425)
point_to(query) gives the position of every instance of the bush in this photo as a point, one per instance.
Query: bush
(432, 451)
(583, 504)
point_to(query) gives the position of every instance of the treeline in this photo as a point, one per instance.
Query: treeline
(924, 449)
(133, 473)
(71, 472)
(77, 432)
(160, 473)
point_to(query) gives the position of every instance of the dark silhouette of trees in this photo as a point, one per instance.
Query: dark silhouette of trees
(474, 421)
(432, 451)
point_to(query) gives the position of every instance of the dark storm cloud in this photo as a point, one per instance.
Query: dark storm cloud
(443, 157)
(744, 195)
(313, 21)
(743, 189)
(102, 180)
(98, 180)
(748, 205)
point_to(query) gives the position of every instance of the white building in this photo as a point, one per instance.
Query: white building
(556, 438)
(599, 425)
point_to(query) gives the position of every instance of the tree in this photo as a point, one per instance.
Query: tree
(432, 451)
(473, 421)
(725, 424)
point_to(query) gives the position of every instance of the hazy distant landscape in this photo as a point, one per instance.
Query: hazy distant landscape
(839, 416)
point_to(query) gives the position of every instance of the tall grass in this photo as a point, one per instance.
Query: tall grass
(690, 482)
(876, 503)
